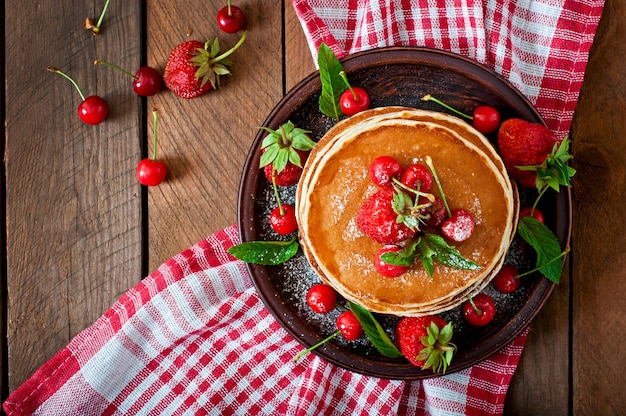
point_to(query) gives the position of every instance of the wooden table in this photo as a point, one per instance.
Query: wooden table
(80, 230)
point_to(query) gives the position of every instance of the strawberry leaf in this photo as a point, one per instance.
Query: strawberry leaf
(553, 172)
(375, 332)
(332, 83)
(546, 245)
(266, 253)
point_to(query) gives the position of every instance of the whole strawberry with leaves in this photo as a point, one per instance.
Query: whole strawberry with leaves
(194, 68)
(523, 143)
(284, 152)
(425, 342)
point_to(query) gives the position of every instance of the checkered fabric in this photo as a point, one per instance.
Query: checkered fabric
(194, 337)
(540, 46)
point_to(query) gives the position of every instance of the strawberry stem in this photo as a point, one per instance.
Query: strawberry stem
(429, 97)
(98, 61)
(64, 75)
(319, 344)
(96, 29)
(343, 76)
(154, 129)
(230, 51)
(429, 162)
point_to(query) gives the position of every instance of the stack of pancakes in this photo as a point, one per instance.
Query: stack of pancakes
(335, 183)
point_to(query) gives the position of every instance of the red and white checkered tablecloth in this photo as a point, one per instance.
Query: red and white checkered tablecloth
(194, 337)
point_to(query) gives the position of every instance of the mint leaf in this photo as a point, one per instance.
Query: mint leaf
(266, 253)
(427, 255)
(546, 246)
(332, 83)
(447, 255)
(375, 331)
(403, 257)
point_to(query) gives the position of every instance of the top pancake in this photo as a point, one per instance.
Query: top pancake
(335, 183)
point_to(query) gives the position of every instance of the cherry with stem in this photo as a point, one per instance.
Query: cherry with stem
(95, 28)
(484, 118)
(146, 81)
(150, 171)
(93, 109)
(230, 18)
(354, 99)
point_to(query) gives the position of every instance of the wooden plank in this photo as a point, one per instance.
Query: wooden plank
(599, 267)
(205, 140)
(73, 203)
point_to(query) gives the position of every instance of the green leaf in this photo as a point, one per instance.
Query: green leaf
(402, 257)
(269, 155)
(427, 255)
(447, 255)
(546, 245)
(332, 83)
(266, 253)
(375, 332)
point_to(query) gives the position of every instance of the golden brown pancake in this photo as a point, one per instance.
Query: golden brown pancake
(335, 183)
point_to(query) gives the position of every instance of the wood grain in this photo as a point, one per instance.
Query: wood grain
(73, 209)
(599, 257)
(206, 140)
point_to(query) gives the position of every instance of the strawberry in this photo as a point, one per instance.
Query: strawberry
(425, 342)
(194, 68)
(284, 152)
(380, 217)
(523, 143)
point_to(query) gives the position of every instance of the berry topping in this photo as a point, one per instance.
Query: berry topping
(459, 227)
(384, 169)
(386, 269)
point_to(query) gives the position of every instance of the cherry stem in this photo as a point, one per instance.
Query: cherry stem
(276, 194)
(98, 61)
(343, 76)
(96, 29)
(230, 51)
(429, 97)
(64, 75)
(526, 273)
(429, 162)
(228, 4)
(319, 344)
(543, 191)
(416, 192)
(476, 308)
(154, 129)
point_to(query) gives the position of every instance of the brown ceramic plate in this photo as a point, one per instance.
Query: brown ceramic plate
(393, 76)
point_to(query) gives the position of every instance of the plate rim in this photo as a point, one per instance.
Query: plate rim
(259, 274)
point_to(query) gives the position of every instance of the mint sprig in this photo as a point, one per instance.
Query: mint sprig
(546, 246)
(430, 248)
(266, 253)
(375, 331)
(332, 83)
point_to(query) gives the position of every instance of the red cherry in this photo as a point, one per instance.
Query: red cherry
(536, 214)
(459, 227)
(479, 310)
(349, 326)
(321, 298)
(437, 213)
(93, 110)
(486, 119)
(386, 269)
(354, 99)
(147, 82)
(418, 176)
(284, 222)
(151, 172)
(231, 19)
(507, 280)
(383, 169)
